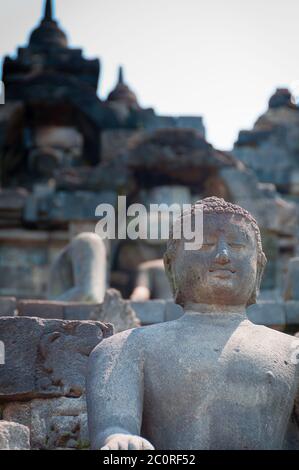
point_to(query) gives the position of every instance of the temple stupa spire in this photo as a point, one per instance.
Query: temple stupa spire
(120, 75)
(48, 34)
(122, 93)
(48, 12)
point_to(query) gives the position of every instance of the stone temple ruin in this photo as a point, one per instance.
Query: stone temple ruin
(63, 151)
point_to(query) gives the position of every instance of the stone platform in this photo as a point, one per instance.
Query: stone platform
(273, 313)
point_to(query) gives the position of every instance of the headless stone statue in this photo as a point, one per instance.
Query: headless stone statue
(79, 273)
(211, 379)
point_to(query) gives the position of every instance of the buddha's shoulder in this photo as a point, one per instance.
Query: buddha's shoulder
(268, 337)
(140, 337)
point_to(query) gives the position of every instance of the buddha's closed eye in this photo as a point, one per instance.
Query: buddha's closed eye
(208, 246)
(236, 245)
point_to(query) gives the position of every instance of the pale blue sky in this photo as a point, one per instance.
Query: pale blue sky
(221, 59)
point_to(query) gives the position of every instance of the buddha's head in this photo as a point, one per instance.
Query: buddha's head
(227, 268)
(53, 148)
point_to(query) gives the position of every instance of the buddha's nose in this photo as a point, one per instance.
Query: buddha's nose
(222, 256)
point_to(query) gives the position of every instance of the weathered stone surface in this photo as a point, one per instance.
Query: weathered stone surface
(63, 206)
(151, 121)
(117, 311)
(243, 185)
(12, 199)
(8, 306)
(11, 206)
(53, 423)
(277, 215)
(41, 309)
(272, 212)
(80, 310)
(25, 257)
(111, 175)
(271, 147)
(13, 436)
(50, 309)
(190, 122)
(46, 357)
(115, 141)
(181, 154)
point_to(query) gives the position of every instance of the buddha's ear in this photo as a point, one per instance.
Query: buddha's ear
(168, 269)
(259, 274)
(168, 265)
(166, 260)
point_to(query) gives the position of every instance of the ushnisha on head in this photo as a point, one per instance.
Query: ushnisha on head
(228, 268)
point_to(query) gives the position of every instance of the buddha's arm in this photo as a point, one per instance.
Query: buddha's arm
(296, 417)
(292, 434)
(142, 290)
(115, 393)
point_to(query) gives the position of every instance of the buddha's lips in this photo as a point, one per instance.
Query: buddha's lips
(217, 270)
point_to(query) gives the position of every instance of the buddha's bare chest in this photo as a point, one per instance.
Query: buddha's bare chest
(221, 376)
(213, 372)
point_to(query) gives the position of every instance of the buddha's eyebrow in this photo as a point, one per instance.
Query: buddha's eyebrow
(239, 233)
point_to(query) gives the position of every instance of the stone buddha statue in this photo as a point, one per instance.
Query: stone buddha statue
(211, 379)
(53, 148)
(79, 273)
(151, 282)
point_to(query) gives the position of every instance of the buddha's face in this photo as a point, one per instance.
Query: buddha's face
(54, 148)
(224, 270)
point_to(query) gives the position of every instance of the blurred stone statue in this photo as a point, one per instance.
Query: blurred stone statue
(79, 273)
(151, 282)
(53, 148)
(211, 379)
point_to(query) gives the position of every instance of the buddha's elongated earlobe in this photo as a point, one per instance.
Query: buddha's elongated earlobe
(172, 279)
(259, 274)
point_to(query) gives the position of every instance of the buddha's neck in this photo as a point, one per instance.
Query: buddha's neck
(215, 311)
